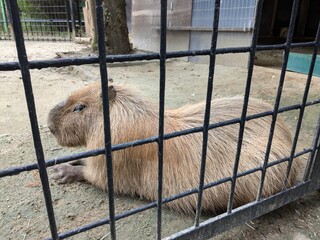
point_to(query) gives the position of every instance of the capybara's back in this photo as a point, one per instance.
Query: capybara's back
(135, 169)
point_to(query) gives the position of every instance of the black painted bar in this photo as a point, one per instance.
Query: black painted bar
(39, 64)
(310, 170)
(279, 91)
(245, 102)
(206, 121)
(163, 50)
(106, 113)
(304, 100)
(26, 79)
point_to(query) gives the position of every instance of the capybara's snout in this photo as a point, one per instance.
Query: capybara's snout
(54, 117)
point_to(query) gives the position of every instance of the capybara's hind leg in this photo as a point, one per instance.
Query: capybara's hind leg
(67, 173)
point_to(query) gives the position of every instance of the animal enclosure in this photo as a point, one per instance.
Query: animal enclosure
(213, 225)
(44, 20)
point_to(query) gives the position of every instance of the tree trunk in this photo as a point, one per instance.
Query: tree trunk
(117, 38)
(94, 40)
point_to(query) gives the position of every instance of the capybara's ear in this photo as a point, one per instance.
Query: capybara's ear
(111, 93)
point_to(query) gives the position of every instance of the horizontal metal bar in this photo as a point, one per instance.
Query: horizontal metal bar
(18, 169)
(223, 222)
(46, 20)
(207, 29)
(173, 197)
(39, 64)
(83, 229)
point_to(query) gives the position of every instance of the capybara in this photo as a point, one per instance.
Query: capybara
(78, 121)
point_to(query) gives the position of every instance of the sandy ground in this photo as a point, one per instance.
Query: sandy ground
(22, 211)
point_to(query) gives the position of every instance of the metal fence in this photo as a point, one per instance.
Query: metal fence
(212, 226)
(44, 19)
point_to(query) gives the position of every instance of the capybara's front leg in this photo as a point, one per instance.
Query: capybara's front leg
(67, 173)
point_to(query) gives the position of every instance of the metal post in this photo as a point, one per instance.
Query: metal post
(311, 171)
(67, 18)
(73, 24)
(163, 53)
(106, 114)
(206, 121)
(9, 19)
(252, 51)
(4, 16)
(315, 175)
(26, 78)
(294, 12)
(304, 100)
(79, 17)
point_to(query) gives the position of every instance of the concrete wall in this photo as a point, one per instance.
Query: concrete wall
(180, 36)
(146, 24)
(202, 40)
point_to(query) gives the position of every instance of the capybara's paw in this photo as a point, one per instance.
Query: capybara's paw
(67, 173)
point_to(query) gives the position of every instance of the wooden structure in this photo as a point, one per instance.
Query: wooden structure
(276, 16)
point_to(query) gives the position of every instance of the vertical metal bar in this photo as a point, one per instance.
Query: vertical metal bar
(67, 19)
(73, 24)
(41, 31)
(315, 173)
(51, 29)
(163, 50)
(26, 78)
(310, 166)
(4, 16)
(9, 12)
(206, 121)
(79, 17)
(107, 132)
(32, 33)
(304, 100)
(24, 22)
(192, 13)
(51, 10)
(245, 101)
(279, 92)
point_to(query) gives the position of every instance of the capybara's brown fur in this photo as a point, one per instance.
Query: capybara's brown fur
(79, 122)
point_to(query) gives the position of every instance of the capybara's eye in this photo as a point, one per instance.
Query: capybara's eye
(79, 108)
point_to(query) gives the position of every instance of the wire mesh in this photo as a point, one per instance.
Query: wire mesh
(44, 19)
(50, 20)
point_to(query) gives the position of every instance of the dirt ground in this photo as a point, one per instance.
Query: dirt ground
(22, 211)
